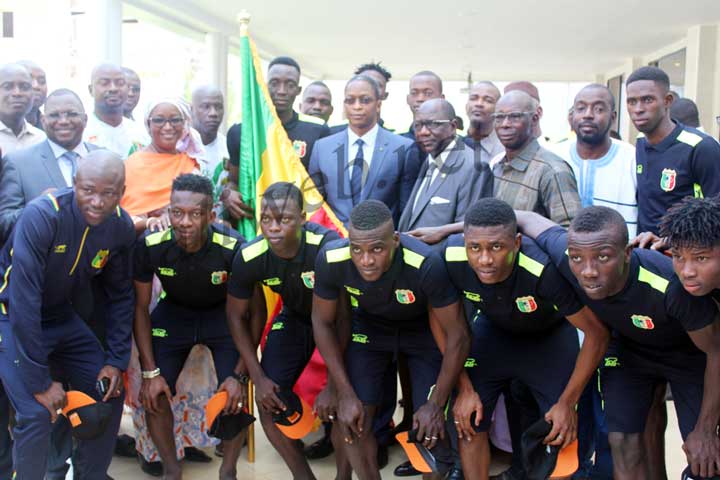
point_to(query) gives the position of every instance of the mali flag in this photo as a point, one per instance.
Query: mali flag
(267, 156)
(266, 153)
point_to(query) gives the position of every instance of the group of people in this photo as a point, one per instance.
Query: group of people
(483, 268)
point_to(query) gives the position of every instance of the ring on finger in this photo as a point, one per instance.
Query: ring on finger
(433, 437)
(240, 404)
(457, 422)
(331, 417)
(59, 411)
(427, 438)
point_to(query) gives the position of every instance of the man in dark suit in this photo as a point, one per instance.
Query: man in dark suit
(450, 179)
(364, 161)
(30, 172)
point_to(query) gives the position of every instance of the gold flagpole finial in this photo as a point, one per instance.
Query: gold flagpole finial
(244, 19)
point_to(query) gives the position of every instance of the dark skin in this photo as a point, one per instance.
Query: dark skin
(492, 253)
(283, 82)
(133, 97)
(372, 252)
(190, 215)
(16, 96)
(590, 118)
(99, 185)
(109, 89)
(600, 262)
(362, 107)
(433, 139)
(208, 110)
(317, 101)
(281, 223)
(648, 105)
(64, 120)
(479, 107)
(380, 79)
(516, 134)
(422, 88)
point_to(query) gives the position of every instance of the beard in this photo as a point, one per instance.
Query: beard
(594, 138)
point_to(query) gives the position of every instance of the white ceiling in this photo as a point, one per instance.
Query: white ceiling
(502, 40)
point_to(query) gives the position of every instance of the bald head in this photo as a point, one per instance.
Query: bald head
(686, 112)
(519, 100)
(104, 164)
(39, 82)
(109, 88)
(523, 86)
(439, 108)
(16, 95)
(208, 110)
(599, 89)
(99, 185)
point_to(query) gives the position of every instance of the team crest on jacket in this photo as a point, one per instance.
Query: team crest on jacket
(526, 304)
(308, 279)
(642, 321)
(300, 148)
(101, 258)
(219, 277)
(405, 296)
(667, 181)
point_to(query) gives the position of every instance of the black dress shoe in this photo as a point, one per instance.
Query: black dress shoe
(382, 456)
(406, 470)
(455, 473)
(196, 455)
(154, 469)
(320, 449)
(125, 446)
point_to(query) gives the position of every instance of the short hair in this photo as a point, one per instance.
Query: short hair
(523, 86)
(61, 92)
(369, 80)
(290, 62)
(686, 112)
(317, 83)
(284, 191)
(376, 67)
(601, 87)
(654, 74)
(692, 222)
(190, 182)
(369, 215)
(491, 212)
(597, 218)
(428, 73)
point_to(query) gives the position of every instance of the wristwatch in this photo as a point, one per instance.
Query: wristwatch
(240, 377)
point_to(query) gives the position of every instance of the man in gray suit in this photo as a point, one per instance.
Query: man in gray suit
(450, 179)
(30, 172)
(364, 161)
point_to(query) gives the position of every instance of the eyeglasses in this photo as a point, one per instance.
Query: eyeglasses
(432, 125)
(363, 100)
(134, 89)
(161, 121)
(514, 117)
(55, 116)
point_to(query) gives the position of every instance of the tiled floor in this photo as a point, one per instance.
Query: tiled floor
(269, 466)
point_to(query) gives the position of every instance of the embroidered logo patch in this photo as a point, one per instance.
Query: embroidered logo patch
(166, 271)
(639, 169)
(353, 291)
(360, 338)
(308, 279)
(667, 181)
(642, 321)
(405, 296)
(218, 278)
(60, 248)
(101, 258)
(272, 282)
(526, 304)
(472, 296)
(300, 148)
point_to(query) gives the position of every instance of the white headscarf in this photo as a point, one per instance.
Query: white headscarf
(190, 142)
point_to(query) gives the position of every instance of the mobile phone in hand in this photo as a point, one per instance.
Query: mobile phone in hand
(103, 385)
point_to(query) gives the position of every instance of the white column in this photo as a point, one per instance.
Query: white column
(105, 19)
(700, 71)
(217, 48)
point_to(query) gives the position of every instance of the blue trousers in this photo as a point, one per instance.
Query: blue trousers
(75, 355)
(593, 435)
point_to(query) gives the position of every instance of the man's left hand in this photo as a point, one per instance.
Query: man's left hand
(703, 453)
(116, 382)
(429, 422)
(237, 395)
(563, 418)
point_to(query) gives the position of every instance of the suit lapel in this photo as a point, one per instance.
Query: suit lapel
(448, 166)
(52, 167)
(376, 165)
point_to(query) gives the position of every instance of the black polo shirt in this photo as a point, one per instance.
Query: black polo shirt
(416, 279)
(534, 298)
(194, 280)
(685, 163)
(653, 312)
(303, 131)
(292, 279)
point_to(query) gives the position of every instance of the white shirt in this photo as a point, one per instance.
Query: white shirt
(609, 181)
(368, 145)
(29, 136)
(438, 162)
(120, 139)
(65, 165)
(216, 153)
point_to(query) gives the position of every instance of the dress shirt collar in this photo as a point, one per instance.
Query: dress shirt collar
(58, 151)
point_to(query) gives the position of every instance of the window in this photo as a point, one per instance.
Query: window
(674, 65)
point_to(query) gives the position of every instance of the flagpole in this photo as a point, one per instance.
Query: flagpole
(243, 19)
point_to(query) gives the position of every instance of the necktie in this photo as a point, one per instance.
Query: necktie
(71, 157)
(356, 174)
(429, 178)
